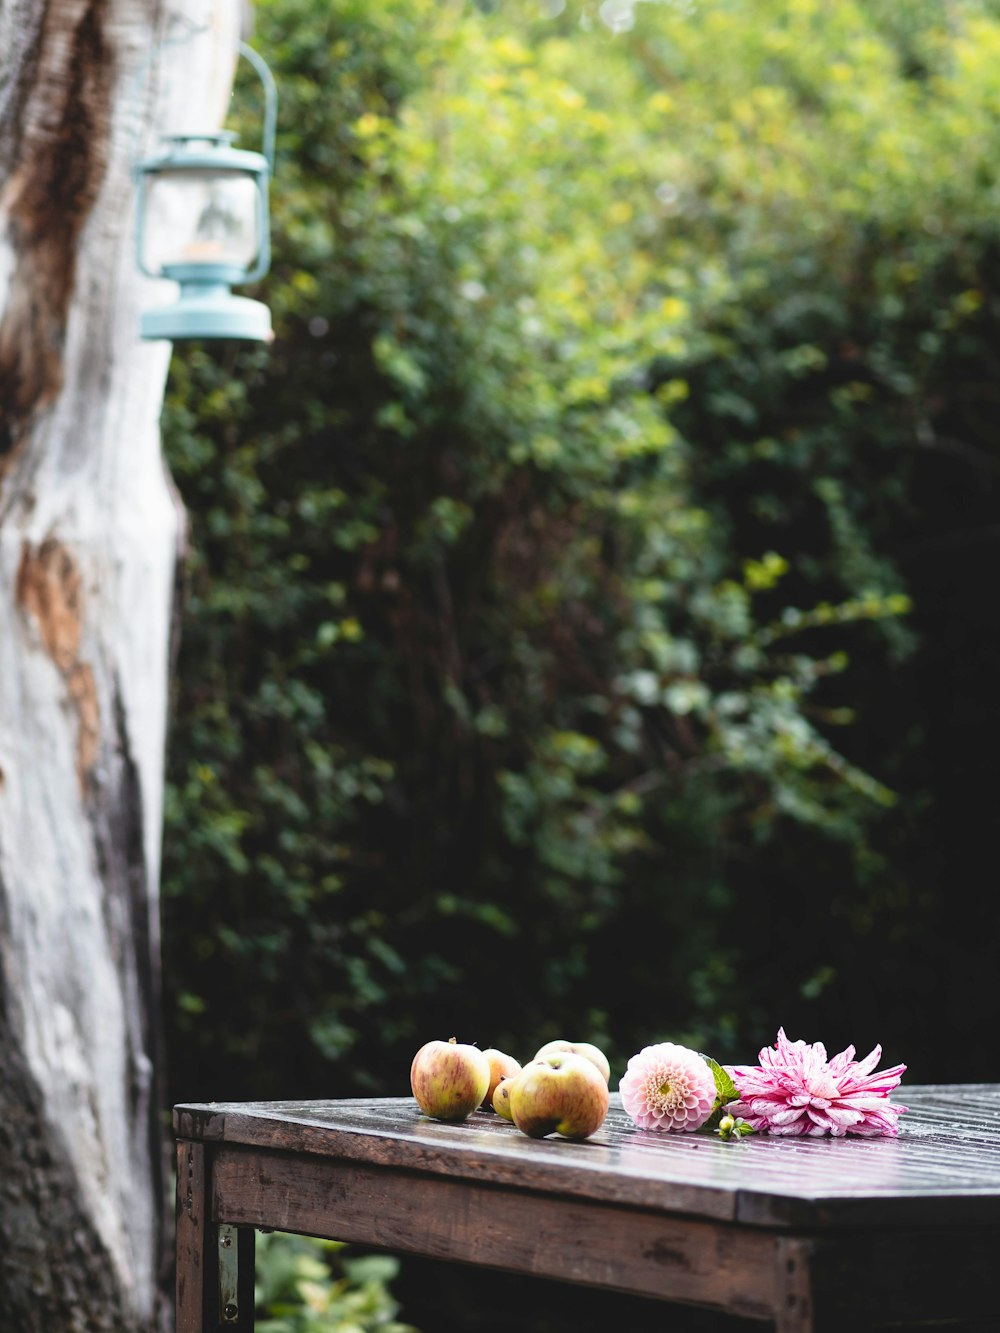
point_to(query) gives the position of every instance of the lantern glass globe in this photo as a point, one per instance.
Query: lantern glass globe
(199, 216)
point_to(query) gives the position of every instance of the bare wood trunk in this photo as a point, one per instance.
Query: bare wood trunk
(89, 536)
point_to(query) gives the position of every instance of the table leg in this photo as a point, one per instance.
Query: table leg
(796, 1308)
(192, 1231)
(215, 1264)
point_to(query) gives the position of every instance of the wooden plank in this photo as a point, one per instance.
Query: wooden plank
(393, 1132)
(944, 1169)
(192, 1225)
(206, 1121)
(718, 1266)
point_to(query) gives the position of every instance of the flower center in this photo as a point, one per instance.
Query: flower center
(821, 1084)
(665, 1089)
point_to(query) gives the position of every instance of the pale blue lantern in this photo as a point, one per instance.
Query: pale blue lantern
(203, 221)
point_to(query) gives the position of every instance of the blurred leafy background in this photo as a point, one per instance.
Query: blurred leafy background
(590, 624)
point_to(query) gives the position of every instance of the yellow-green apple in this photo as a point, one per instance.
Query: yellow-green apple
(501, 1066)
(449, 1079)
(501, 1098)
(592, 1053)
(562, 1092)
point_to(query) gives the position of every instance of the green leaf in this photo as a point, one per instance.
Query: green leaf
(725, 1091)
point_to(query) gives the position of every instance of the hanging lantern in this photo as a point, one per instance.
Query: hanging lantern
(203, 221)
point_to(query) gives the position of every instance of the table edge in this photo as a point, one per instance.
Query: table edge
(227, 1123)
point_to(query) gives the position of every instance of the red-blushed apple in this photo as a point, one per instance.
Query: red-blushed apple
(449, 1079)
(501, 1066)
(501, 1093)
(563, 1093)
(593, 1053)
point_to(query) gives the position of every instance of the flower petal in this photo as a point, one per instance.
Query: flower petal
(796, 1089)
(788, 1116)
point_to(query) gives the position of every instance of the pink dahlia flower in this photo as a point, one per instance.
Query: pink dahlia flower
(796, 1090)
(668, 1087)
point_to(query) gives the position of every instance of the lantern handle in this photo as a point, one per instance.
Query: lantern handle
(270, 102)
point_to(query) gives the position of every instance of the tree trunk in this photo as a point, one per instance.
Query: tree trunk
(89, 538)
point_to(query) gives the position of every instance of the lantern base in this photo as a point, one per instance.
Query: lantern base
(213, 313)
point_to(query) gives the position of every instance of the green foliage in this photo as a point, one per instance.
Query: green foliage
(560, 578)
(316, 1286)
(725, 1092)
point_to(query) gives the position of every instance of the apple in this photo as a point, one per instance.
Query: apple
(584, 1048)
(501, 1093)
(501, 1066)
(449, 1079)
(501, 1098)
(562, 1092)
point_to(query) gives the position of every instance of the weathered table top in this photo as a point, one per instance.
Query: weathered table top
(943, 1170)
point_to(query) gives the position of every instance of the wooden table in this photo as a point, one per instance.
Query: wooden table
(803, 1233)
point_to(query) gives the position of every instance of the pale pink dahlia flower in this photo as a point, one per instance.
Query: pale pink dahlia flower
(796, 1090)
(668, 1087)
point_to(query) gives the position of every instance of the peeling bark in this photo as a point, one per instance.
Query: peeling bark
(90, 528)
(48, 196)
(48, 588)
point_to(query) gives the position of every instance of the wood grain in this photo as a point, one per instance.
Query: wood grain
(192, 1227)
(943, 1170)
(721, 1267)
